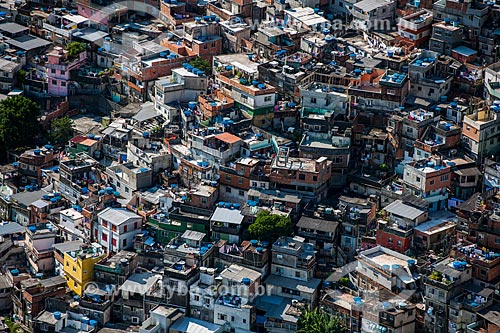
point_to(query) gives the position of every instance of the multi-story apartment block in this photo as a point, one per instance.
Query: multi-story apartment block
(358, 215)
(32, 162)
(442, 136)
(79, 266)
(184, 85)
(116, 229)
(226, 222)
(310, 178)
(428, 179)
(481, 133)
(441, 286)
(128, 178)
(445, 37)
(382, 269)
(237, 178)
(405, 127)
(39, 240)
(292, 270)
(59, 66)
(430, 79)
(235, 307)
(416, 28)
(75, 175)
(379, 90)
(241, 83)
(29, 295)
(366, 12)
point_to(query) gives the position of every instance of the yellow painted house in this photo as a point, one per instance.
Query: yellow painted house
(79, 266)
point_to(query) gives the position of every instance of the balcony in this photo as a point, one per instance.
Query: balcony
(439, 284)
(233, 230)
(315, 235)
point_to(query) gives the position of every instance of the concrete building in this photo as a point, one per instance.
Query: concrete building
(183, 85)
(445, 37)
(235, 308)
(428, 179)
(378, 90)
(416, 28)
(481, 133)
(429, 78)
(441, 286)
(59, 66)
(292, 270)
(116, 229)
(367, 13)
(128, 178)
(241, 83)
(79, 266)
(308, 177)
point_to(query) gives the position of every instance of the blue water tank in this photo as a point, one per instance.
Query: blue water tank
(57, 315)
(145, 134)
(260, 249)
(192, 105)
(254, 242)
(93, 323)
(246, 281)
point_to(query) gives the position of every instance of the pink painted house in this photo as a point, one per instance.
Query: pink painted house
(58, 70)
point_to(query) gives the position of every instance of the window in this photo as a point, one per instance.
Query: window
(444, 178)
(213, 44)
(244, 321)
(124, 243)
(315, 178)
(63, 84)
(104, 223)
(241, 193)
(113, 241)
(431, 182)
(63, 72)
(136, 224)
(302, 176)
(125, 229)
(267, 99)
(228, 177)
(389, 241)
(232, 318)
(254, 184)
(53, 71)
(113, 227)
(400, 243)
(205, 46)
(228, 189)
(417, 179)
(297, 274)
(196, 298)
(74, 269)
(240, 181)
(313, 100)
(104, 237)
(54, 82)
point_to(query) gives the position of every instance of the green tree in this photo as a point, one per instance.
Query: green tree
(21, 77)
(202, 64)
(318, 321)
(61, 130)
(18, 122)
(75, 48)
(269, 226)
